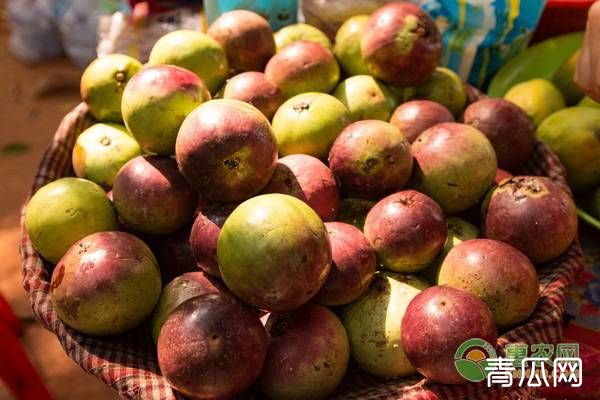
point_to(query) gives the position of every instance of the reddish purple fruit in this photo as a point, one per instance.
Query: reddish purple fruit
(501, 175)
(437, 321)
(204, 235)
(371, 158)
(308, 354)
(416, 116)
(508, 127)
(151, 196)
(246, 37)
(177, 291)
(302, 67)
(407, 229)
(308, 179)
(175, 255)
(226, 150)
(401, 44)
(212, 347)
(254, 88)
(352, 268)
(533, 214)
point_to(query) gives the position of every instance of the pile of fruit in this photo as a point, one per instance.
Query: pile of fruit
(295, 229)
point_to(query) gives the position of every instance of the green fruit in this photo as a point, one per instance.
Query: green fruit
(597, 202)
(354, 211)
(374, 324)
(347, 45)
(366, 98)
(588, 102)
(459, 230)
(296, 32)
(195, 51)
(443, 86)
(563, 79)
(309, 123)
(103, 82)
(574, 135)
(100, 152)
(64, 211)
(538, 97)
(274, 252)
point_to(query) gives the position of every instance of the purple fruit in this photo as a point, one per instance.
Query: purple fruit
(254, 88)
(204, 235)
(308, 179)
(212, 347)
(353, 265)
(416, 116)
(533, 214)
(174, 254)
(437, 321)
(407, 229)
(371, 158)
(508, 127)
(151, 196)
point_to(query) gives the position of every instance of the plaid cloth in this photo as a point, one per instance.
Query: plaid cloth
(128, 364)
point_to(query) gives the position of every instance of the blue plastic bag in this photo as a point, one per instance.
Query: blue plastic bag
(479, 35)
(279, 13)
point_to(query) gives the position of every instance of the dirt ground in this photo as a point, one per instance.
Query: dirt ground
(32, 101)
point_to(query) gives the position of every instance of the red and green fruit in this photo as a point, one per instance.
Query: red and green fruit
(246, 37)
(297, 32)
(449, 317)
(155, 103)
(498, 274)
(508, 128)
(64, 211)
(307, 357)
(274, 252)
(204, 235)
(416, 116)
(308, 179)
(365, 98)
(563, 79)
(455, 164)
(533, 214)
(353, 265)
(501, 175)
(574, 135)
(103, 82)
(347, 45)
(212, 347)
(443, 86)
(176, 292)
(354, 211)
(373, 323)
(303, 67)
(407, 229)
(106, 284)
(101, 150)
(254, 88)
(309, 124)
(226, 150)
(539, 98)
(401, 44)
(194, 51)
(371, 158)
(151, 196)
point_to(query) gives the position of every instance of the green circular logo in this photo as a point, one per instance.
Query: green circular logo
(471, 358)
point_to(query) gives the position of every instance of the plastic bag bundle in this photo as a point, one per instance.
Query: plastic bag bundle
(479, 35)
(34, 33)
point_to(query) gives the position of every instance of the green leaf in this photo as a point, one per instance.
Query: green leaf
(469, 370)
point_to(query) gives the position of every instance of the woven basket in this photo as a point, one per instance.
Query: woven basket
(128, 364)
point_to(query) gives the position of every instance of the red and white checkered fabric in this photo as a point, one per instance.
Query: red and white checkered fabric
(127, 363)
